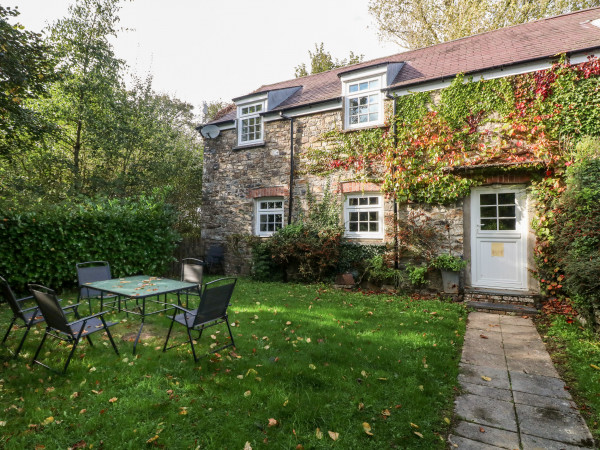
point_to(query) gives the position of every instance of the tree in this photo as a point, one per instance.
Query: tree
(26, 68)
(420, 23)
(321, 61)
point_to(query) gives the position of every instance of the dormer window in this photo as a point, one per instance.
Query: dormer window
(364, 103)
(250, 123)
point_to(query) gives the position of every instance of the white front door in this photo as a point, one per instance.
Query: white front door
(499, 238)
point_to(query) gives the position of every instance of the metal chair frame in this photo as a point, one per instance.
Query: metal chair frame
(88, 272)
(29, 316)
(58, 327)
(192, 271)
(211, 311)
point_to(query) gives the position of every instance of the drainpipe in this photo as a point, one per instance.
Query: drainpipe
(396, 244)
(291, 201)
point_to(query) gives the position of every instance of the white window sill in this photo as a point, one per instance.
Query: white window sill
(249, 145)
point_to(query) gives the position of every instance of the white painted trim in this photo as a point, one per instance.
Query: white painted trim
(305, 111)
(262, 97)
(257, 114)
(360, 74)
(508, 71)
(518, 236)
(257, 212)
(380, 208)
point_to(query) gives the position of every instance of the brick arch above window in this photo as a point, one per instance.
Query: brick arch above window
(353, 186)
(277, 191)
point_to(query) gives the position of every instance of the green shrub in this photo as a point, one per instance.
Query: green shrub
(416, 275)
(379, 272)
(448, 262)
(43, 243)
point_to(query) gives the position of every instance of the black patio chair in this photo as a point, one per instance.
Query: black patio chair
(215, 258)
(88, 272)
(27, 316)
(211, 311)
(192, 271)
(60, 328)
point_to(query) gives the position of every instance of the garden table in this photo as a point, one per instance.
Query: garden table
(142, 288)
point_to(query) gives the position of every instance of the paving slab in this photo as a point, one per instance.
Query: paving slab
(538, 385)
(524, 389)
(486, 411)
(562, 425)
(488, 435)
(487, 391)
(478, 357)
(470, 373)
(542, 401)
(537, 443)
(467, 444)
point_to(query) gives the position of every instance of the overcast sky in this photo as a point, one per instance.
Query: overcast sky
(201, 50)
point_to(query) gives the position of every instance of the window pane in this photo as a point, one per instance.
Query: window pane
(506, 199)
(374, 108)
(373, 200)
(373, 84)
(353, 87)
(506, 211)
(353, 102)
(507, 224)
(488, 224)
(363, 226)
(263, 218)
(363, 118)
(270, 227)
(373, 117)
(278, 204)
(353, 217)
(263, 227)
(487, 199)
(374, 98)
(373, 227)
(353, 111)
(363, 100)
(488, 211)
(263, 205)
(373, 216)
(353, 119)
(278, 218)
(364, 85)
(353, 226)
(363, 201)
(353, 201)
(363, 216)
(258, 108)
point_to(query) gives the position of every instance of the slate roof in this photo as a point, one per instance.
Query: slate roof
(542, 39)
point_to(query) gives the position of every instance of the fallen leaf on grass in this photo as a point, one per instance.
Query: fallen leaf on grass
(112, 400)
(361, 406)
(319, 433)
(312, 366)
(418, 434)
(247, 394)
(48, 420)
(367, 428)
(333, 435)
(414, 425)
(183, 411)
(386, 413)
(484, 378)
(82, 411)
(152, 439)
(447, 420)
(2, 423)
(483, 336)
(247, 446)
(273, 423)
(594, 366)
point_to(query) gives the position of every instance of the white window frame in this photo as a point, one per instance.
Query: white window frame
(350, 207)
(251, 111)
(364, 85)
(259, 212)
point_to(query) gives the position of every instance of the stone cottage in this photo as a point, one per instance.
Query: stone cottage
(255, 151)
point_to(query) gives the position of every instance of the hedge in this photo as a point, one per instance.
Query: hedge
(43, 243)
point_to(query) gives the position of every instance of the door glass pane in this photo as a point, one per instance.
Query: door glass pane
(506, 211)
(488, 211)
(488, 224)
(507, 224)
(506, 198)
(487, 199)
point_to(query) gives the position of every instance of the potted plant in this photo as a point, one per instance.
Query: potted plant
(450, 266)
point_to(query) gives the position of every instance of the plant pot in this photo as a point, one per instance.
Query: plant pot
(450, 281)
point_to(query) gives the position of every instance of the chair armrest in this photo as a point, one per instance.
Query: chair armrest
(183, 309)
(101, 313)
(72, 306)
(25, 298)
(30, 309)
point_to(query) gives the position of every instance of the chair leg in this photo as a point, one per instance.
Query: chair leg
(8, 330)
(20, 346)
(37, 352)
(168, 334)
(230, 334)
(191, 343)
(109, 335)
(89, 340)
(76, 341)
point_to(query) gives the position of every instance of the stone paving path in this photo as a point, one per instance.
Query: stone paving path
(512, 397)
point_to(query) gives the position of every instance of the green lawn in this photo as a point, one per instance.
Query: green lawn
(576, 354)
(309, 360)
